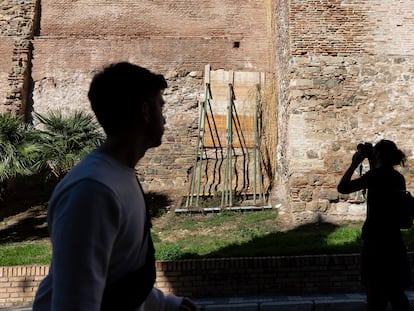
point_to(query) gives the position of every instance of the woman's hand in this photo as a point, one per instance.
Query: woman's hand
(357, 158)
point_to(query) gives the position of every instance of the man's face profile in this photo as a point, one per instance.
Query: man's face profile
(156, 120)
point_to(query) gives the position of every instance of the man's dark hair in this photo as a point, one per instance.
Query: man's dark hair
(118, 92)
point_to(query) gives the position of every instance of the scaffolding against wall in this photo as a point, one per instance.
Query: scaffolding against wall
(227, 172)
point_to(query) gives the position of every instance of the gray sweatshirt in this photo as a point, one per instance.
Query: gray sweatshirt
(96, 219)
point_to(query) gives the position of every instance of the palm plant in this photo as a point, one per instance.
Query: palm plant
(66, 139)
(20, 151)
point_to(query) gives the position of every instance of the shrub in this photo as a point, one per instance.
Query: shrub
(67, 139)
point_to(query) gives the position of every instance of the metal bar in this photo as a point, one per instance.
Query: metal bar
(255, 147)
(225, 180)
(262, 82)
(259, 126)
(200, 141)
(189, 200)
(226, 198)
(257, 143)
(230, 126)
(203, 123)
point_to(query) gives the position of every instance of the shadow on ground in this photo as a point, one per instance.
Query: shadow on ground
(27, 226)
(23, 216)
(23, 211)
(315, 236)
(290, 243)
(25, 219)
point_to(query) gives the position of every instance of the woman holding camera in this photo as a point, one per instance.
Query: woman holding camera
(385, 272)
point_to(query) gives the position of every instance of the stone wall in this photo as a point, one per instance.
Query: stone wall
(17, 27)
(163, 169)
(350, 78)
(6, 53)
(168, 167)
(343, 74)
(337, 102)
(176, 39)
(282, 55)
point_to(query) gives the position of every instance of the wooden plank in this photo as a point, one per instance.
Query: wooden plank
(216, 131)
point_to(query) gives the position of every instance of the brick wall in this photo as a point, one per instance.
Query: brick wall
(329, 27)
(162, 35)
(230, 277)
(18, 284)
(169, 18)
(351, 27)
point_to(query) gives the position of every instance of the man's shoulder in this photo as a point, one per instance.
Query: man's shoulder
(96, 168)
(89, 168)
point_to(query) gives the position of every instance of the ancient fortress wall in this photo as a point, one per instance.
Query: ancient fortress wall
(161, 35)
(350, 80)
(341, 72)
(17, 27)
(176, 38)
(6, 53)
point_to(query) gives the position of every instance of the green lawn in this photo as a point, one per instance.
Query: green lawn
(25, 253)
(249, 234)
(222, 235)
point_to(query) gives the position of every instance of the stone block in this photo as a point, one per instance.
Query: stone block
(318, 206)
(298, 206)
(306, 195)
(340, 208)
(301, 83)
(329, 194)
(298, 180)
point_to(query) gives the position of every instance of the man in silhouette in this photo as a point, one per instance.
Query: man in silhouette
(103, 256)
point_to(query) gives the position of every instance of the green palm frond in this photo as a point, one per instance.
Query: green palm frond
(66, 139)
(19, 147)
(58, 146)
(11, 128)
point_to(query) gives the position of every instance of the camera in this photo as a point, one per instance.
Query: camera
(366, 149)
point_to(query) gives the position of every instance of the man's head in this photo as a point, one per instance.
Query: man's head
(125, 97)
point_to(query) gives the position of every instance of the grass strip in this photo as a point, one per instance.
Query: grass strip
(247, 234)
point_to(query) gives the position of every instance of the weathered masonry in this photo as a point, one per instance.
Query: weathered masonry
(338, 72)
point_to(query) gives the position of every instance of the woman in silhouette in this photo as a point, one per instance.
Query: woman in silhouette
(385, 272)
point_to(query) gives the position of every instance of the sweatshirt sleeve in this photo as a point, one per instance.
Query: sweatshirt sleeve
(157, 301)
(84, 225)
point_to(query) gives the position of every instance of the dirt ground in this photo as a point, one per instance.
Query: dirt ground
(23, 223)
(23, 216)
